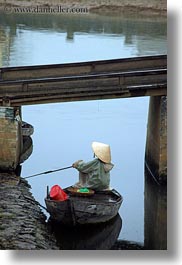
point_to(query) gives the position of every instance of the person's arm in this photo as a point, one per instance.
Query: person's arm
(75, 164)
(86, 167)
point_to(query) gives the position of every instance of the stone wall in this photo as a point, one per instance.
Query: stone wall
(22, 223)
(10, 138)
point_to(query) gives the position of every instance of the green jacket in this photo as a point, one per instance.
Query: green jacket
(98, 173)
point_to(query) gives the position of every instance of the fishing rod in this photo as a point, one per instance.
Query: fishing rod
(47, 172)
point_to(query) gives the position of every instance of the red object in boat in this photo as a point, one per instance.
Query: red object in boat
(58, 194)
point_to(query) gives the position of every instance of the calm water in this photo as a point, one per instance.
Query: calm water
(64, 132)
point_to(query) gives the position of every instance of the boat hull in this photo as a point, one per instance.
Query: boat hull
(101, 207)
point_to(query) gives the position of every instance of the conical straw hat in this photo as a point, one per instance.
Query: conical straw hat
(102, 151)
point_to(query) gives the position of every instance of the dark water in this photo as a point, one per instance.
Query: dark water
(64, 132)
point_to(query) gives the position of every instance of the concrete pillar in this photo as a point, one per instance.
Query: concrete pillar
(10, 138)
(156, 145)
(155, 215)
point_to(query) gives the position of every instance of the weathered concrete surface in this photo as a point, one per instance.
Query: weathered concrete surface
(15, 143)
(156, 146)
(155, 219)
(22, 223)
(10, 138)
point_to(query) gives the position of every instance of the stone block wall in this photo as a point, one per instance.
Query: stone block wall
(10, 138)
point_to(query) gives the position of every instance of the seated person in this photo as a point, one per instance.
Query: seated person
(96, 173)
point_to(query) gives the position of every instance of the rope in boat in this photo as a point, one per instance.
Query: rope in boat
(34, 202)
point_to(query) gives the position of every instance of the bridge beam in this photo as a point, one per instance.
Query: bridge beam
(120, 78)
(156, 144)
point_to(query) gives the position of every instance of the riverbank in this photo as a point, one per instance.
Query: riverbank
(153, 7)
(22, 223)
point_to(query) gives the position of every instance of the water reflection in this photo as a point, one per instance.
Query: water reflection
(6, 41)
(25, 34)
(87, 237)
(97, 24)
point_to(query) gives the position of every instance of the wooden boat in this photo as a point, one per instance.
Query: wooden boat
(27, 149)
(100, 236)
(27, 144)
(27, 129)
(100, 207)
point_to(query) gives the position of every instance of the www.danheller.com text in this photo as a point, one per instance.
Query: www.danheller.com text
(46, 9)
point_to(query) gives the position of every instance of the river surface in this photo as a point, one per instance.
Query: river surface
(64, 132)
